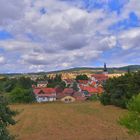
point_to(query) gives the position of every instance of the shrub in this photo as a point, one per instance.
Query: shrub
(19, 95)
(93, 98)
(132, 119)
(105, 99)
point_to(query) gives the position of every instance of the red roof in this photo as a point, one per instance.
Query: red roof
(91, 89)
(83, 81)
(44, 91)
(93, 83)
(68, 91)
(100, 77)
(78, 94)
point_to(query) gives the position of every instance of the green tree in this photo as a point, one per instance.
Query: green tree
(19, 95)
(24, 82)
(120, 90)
(75, 86)
(132, 119)
(6, 119)
(81, 77)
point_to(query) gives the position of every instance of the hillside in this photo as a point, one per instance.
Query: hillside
(111, 70)
(99, 69)
(77, 121)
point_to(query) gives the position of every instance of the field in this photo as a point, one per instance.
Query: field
(77, 121)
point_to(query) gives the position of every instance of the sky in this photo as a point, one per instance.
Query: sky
(47, 35)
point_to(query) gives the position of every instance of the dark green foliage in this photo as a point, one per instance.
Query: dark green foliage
(75, 86)
(81, 77)
(19, 95)
(5, 119)
(93, 98)
(7, 85)
(132, 119)
(24, 82)
(118, 91)
(56, 81)
(105, 99)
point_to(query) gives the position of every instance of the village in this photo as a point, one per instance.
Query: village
(75, 89)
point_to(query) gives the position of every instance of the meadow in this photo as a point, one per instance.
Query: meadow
(76, 121)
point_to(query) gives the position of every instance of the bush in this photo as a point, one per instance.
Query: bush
(19, 95)
(5, 119)
(105, 99)
(132, 119)
(93, 98)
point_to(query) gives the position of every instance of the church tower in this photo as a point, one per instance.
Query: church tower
(105, 69)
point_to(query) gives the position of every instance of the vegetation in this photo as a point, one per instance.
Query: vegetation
(19, 90)
(118, 91)
(19, 95)
(5, 119)
(81, 77)
(75, 86)
(93, 98)
(56, 81)
(132, 119)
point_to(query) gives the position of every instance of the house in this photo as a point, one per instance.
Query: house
(99, 77)
(68, 99)
(42, 84)
(79, 96)
(45, 94)
(68, 91)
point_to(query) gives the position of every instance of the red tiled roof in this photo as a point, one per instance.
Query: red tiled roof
(78, 94)
(91, 89)
(93, 83)
(68, 91)
(83, 81)
(100, 77)
(44, 91)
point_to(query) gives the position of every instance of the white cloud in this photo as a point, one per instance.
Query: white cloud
(64, 36)
(2, 60)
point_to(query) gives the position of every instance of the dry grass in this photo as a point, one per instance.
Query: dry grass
(77, 121)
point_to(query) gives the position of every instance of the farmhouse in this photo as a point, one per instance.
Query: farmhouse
(45, 94)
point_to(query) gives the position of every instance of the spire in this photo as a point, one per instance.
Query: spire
(105, 68)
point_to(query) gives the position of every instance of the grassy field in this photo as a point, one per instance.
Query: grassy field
(77, 121)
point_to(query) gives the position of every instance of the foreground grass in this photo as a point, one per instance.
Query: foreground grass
(77, 121)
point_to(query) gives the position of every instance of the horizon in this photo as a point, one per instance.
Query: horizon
(53, 35)
(71, 68)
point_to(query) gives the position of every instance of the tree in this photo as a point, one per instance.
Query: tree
(81, 77)
(132, 119)
(25, 83)
(19, 95)
(75, 86)
(118, 91)
(5, 119)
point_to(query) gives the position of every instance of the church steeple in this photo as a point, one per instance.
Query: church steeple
(105, 69)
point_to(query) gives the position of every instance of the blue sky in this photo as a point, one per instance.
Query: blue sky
(44, 35)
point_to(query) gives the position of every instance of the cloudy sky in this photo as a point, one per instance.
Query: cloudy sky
(44, 35)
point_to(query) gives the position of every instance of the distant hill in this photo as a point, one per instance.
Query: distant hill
(132, 68)
(99, 69)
